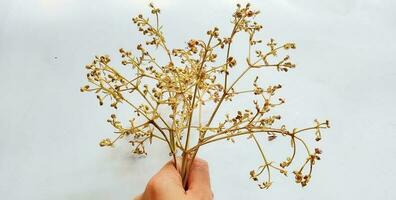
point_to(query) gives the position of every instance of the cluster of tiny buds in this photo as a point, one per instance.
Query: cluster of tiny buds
(214, 33)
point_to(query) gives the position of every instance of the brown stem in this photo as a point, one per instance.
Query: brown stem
(185, 163)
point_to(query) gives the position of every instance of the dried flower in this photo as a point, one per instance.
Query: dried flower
(167, 99)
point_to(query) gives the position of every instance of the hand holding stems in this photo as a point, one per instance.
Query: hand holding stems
(167, 184)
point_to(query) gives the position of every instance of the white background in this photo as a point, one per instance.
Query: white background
(49, 131)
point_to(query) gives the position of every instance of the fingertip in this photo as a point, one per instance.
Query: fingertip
(166, 177)
(200, 163)
(169, 170)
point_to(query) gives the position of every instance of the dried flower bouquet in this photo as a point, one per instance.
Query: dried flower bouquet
(173, 95)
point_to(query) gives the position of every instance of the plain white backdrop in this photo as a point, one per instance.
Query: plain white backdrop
(49, 131)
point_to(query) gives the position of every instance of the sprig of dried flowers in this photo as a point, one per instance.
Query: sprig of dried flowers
(191, 80)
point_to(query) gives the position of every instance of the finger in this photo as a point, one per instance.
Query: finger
(199, 181)
(170, 174)
(166, 184)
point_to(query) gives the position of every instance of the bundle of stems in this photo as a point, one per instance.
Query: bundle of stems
(174, 94)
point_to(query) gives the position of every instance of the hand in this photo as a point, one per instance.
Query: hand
(167, 184)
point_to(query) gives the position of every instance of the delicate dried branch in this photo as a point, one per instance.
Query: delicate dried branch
(174, 93)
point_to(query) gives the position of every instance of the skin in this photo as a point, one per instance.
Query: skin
(167, 184)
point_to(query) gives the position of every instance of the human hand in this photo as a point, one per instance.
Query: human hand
(167, 184)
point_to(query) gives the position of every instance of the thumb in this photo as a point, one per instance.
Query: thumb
(166, 184)
(199, 180)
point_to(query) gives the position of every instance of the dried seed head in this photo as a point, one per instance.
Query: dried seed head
(106, 143)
